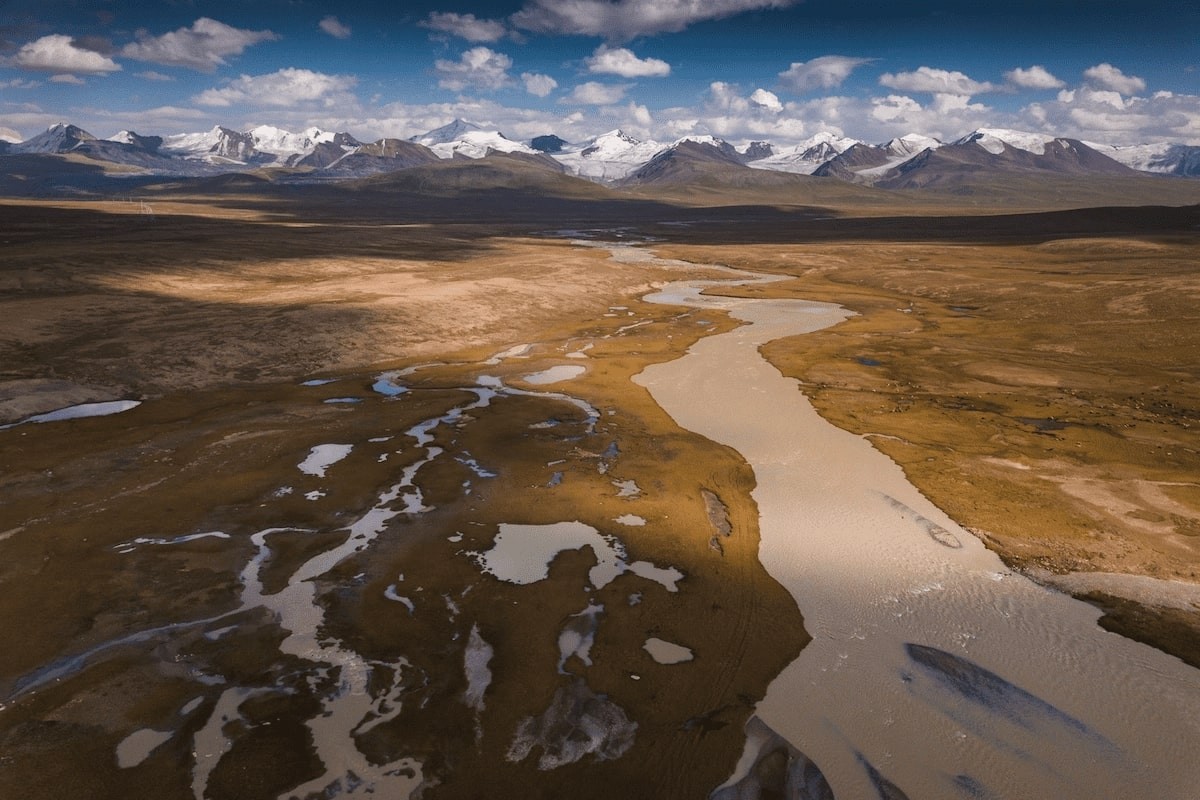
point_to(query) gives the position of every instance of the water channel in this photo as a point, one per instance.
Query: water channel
(934, 671)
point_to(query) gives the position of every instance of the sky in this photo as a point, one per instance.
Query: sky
(777, 70)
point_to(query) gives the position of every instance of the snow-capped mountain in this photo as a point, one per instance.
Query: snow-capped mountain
(468, 140)
(291, 148)
(264, 145)
(1163, 158)
(910, 144)
(995, 140)
(220, 145)
(611, 156)
(806, 157)
(59, 138)
(148, 143)
(614, 157)
(450, 132)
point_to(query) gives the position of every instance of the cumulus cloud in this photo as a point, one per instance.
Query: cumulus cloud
(203, 47)
(1036, 77)
(935, 81)
(402, 120)
(151, 75)
(286, 87)
(729, 114)
(58, 53)
(594, 93)
(67, 78)
(479, 68)
(621, 61)
(946, 116)
(18, 83)
(1109, 77)
(334, 27)
(465, 26)
(639, 114)
(537, 84)
(1105, 116)
(629, 19)
(767, 100)
(824, 72)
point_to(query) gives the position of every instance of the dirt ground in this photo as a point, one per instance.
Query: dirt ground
(215, 320)
(1042, 389)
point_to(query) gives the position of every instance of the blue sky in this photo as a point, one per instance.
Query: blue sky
(782, 70)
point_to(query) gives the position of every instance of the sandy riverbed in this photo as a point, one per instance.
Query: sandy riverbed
(933, 668)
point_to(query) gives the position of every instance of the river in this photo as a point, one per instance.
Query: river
(934, 671)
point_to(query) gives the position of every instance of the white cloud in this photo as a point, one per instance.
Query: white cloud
(151, 75)
(537, 84)
(1036, 77)
(730, 115)
(8, 134)
(1109, 77)
(639, 114)
(286, 87)
(66, 78)
(403, 120)
(824, 72)
(1105, 116)
(594, 93)
(629, 19)
(934, 81)
(58, 53)
(894, 107)
(18, 83)
(767, 100)
(466, 26)
(947, 116)
(334, 27)
(161, 119)
(479, 68)
(621, 61)
(202, 47)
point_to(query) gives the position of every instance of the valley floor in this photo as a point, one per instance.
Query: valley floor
(312, 378)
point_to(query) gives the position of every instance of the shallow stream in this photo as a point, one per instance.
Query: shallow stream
(934, 671)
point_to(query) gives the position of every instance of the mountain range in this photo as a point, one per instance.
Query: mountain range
(615, 158)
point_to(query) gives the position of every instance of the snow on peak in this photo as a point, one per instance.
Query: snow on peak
(276, 141)
(447, 133)
(910, 144)
(477, 144)
(610, 156)
(994, 140)
(58, 138)
(699, 138)
(807, 156)
(123, 137)
(462, 138)
(1144, 157)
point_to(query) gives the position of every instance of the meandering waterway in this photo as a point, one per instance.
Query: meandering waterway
(934, 671)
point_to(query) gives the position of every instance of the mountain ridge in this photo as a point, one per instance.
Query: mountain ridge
(913, 161)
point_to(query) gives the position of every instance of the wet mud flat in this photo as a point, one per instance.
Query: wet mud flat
(305, 588)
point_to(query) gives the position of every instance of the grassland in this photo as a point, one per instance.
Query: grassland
(1036, 376)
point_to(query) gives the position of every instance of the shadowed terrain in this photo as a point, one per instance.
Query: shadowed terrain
(1033, 373)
